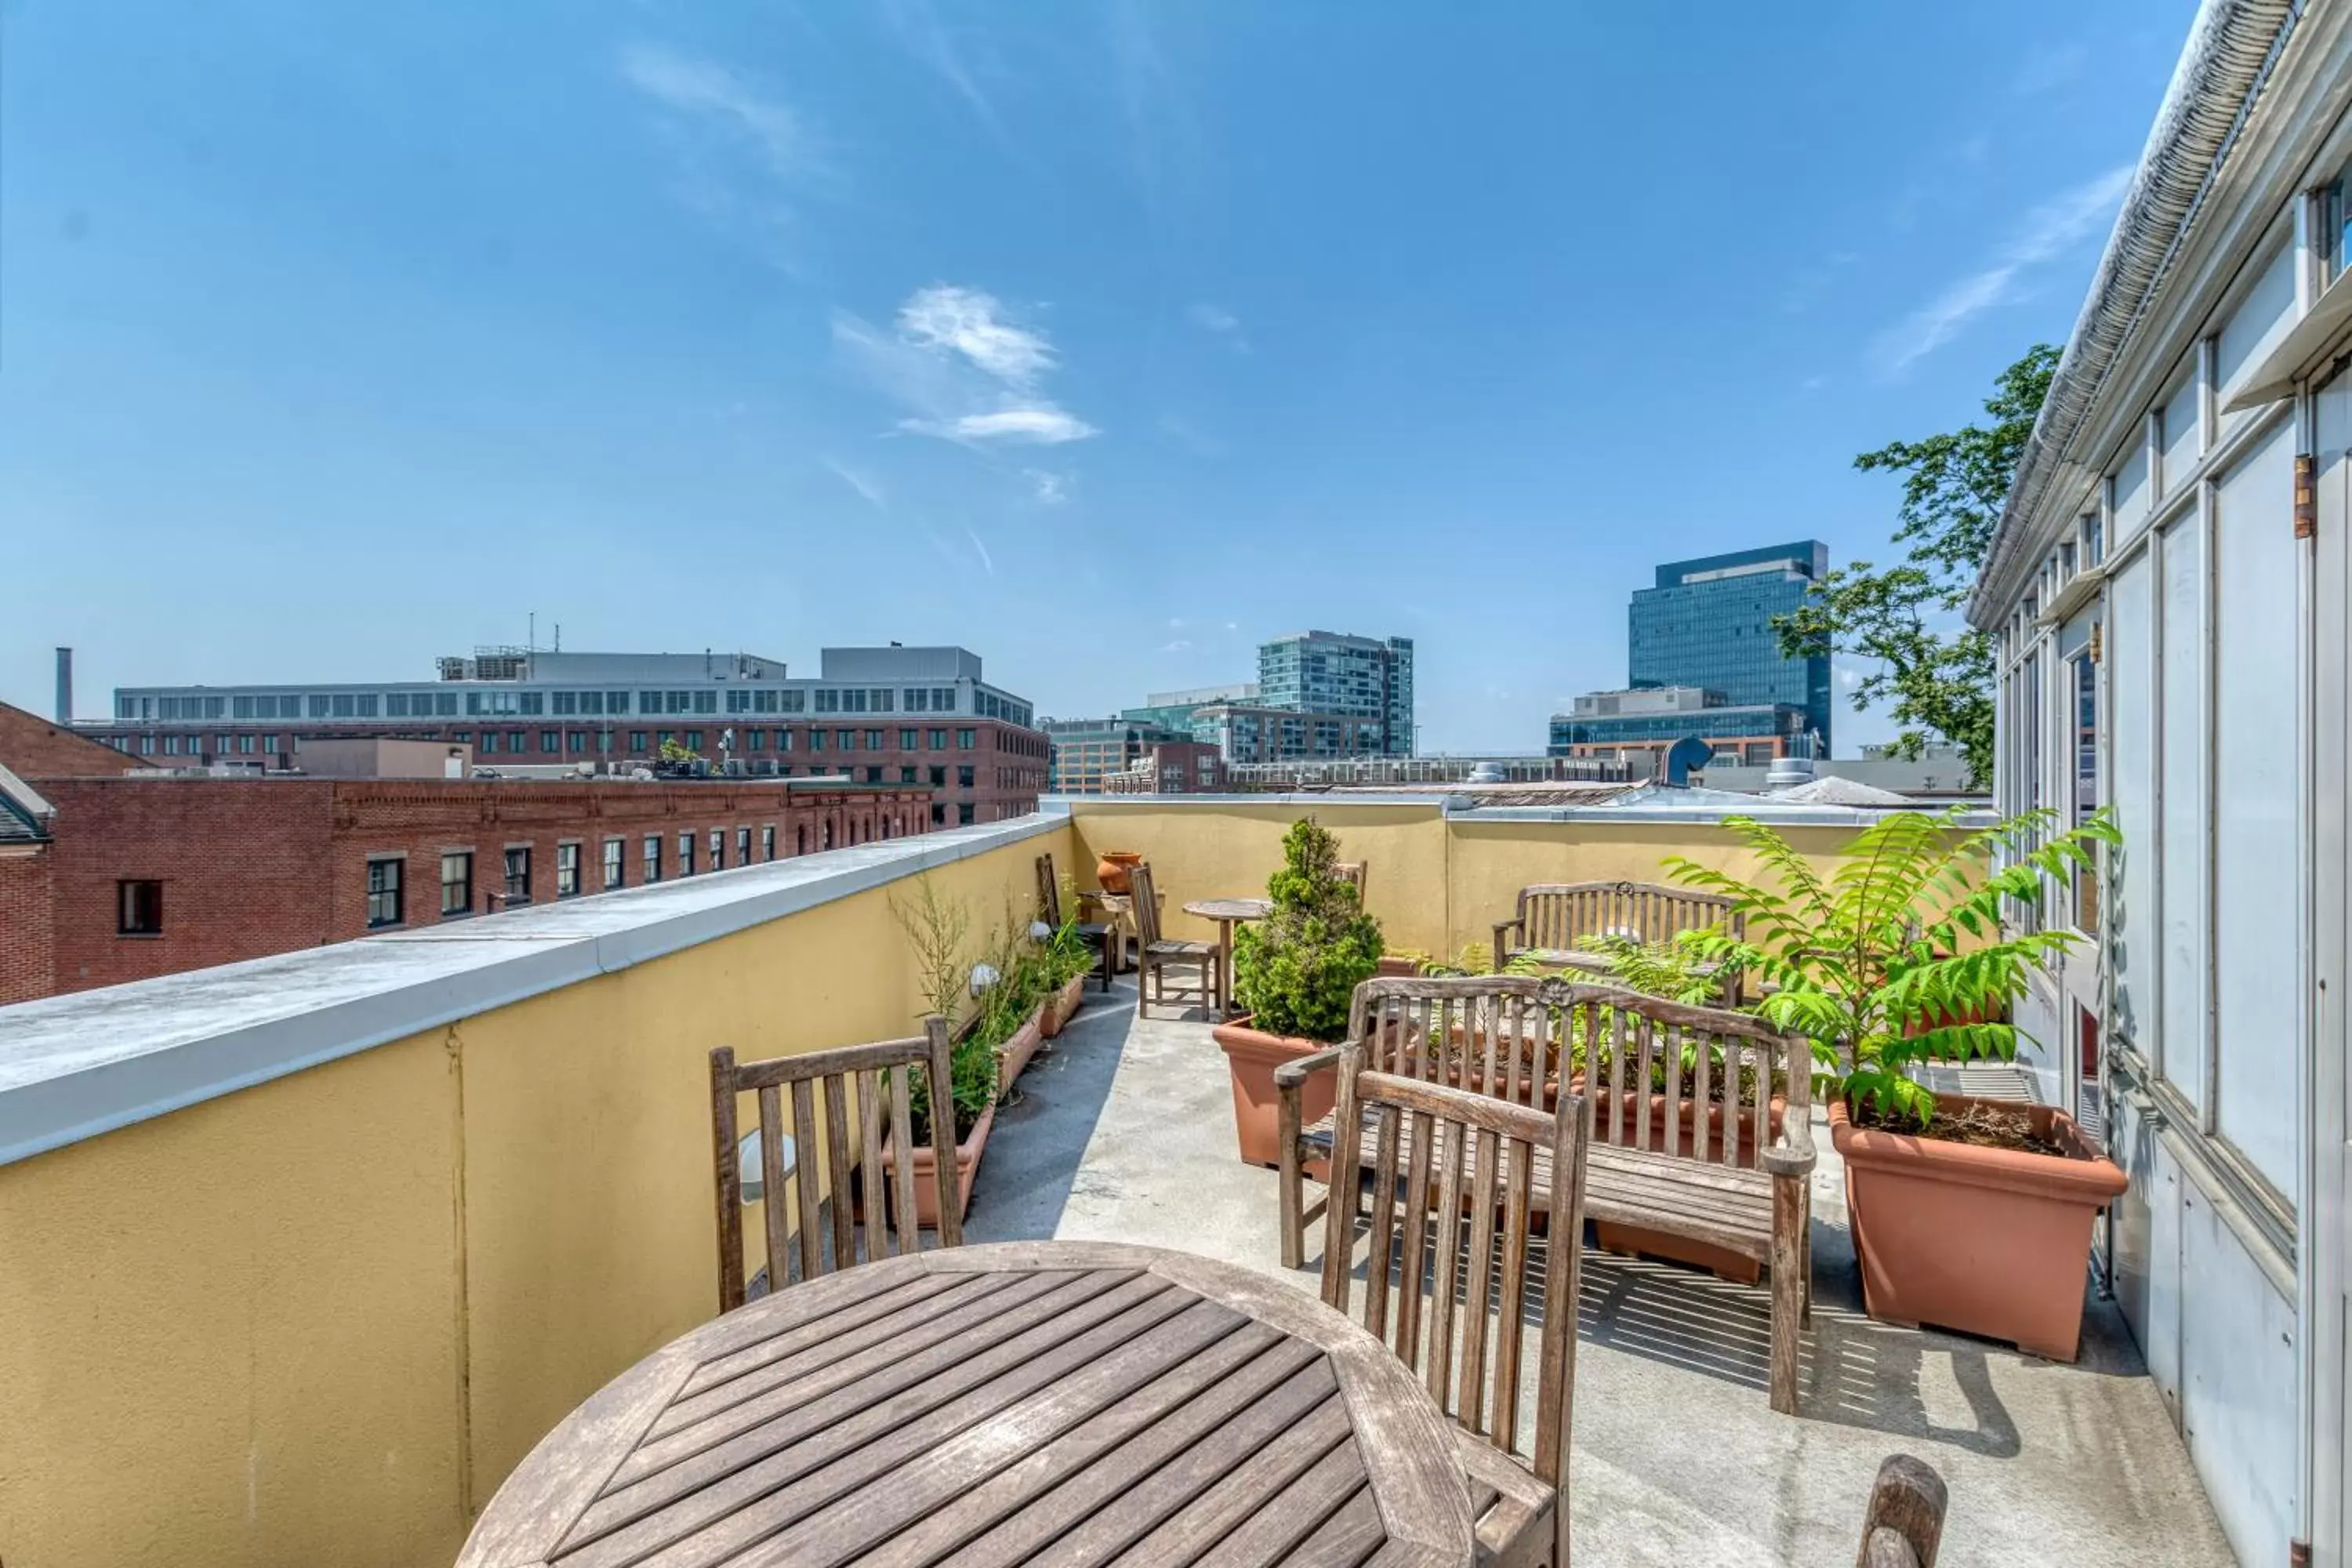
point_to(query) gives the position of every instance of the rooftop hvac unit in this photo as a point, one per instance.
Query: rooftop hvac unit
(1787, 772)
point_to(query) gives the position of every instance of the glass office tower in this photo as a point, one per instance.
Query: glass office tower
(1708, 623)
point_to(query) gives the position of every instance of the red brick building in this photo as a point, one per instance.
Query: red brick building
(140, 877)
(32, 747)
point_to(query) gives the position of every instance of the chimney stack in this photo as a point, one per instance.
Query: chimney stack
(64, 686)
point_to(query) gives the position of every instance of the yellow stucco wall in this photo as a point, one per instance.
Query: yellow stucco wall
(1435, 884)
(318, 1320)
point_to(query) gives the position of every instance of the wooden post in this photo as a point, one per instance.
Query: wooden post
(1905, 1522)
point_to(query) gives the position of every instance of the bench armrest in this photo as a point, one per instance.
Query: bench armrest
(1290, 1075)
(1794, 1154)
(1501, 949)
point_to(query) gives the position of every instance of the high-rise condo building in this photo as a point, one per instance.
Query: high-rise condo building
(1332, 673)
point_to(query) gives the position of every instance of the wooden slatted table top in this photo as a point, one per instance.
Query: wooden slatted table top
(1059, 1403)
(1231, 908)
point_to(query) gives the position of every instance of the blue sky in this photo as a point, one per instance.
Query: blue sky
(1105, 339)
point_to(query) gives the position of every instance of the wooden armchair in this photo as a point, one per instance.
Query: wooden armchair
(1701, 1119)
(1553, 918)
(1456, 1177)
(837, 1169)
(1155, 954)
(1096, 933)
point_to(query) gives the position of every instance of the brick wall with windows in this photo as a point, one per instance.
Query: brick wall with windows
(223, 870)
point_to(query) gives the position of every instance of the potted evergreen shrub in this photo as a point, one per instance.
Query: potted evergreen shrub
(1967, 1213)
(1294, 974)
(937, 929)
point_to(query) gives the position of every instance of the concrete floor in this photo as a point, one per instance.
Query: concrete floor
(1123, 1131)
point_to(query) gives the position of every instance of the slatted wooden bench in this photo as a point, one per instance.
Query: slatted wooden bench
(1723, 1175)
(1555, 918)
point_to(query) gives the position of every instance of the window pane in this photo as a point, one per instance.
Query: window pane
(2257, 713)
(2131, 874)
(2181, 759)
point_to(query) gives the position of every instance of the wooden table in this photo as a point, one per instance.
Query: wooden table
(1032, 1402)
(1228, 913)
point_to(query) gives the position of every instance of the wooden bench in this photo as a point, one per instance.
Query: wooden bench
(1555, 918)
(1699, 1157)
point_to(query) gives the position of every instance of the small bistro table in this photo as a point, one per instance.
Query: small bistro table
(1228, 913)
(1074, 1402)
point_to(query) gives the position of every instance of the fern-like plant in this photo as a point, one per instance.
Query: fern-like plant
(1899, 955)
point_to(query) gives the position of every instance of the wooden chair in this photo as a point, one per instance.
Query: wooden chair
(1095, 933)
(1456, 1177)
(1554, 917)
(1696, 1156)
(1155, 954)
(1905, 1523)
(825, 1154)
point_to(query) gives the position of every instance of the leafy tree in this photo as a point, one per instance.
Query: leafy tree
(1936, 678)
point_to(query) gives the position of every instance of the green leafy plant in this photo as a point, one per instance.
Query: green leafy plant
(1296, 969)
(1677, 971)
(1898, 955)
(1478, 957)
(938, 930)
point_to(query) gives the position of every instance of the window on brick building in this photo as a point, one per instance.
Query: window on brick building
(653, 857)
(576, 741)
(817, 740)
(742, 847)
(489, 741)
(694, 741)
(384, 905)
(906, 774)
(963, 775)
(964, 814)
(873, 775)
(873, 740)
(908, 738)
(964, 740)
(939, 814)
(517, 868)
(456, 883)
(550, 741)
(846, 740)
(936, 739)
(768, 842)
(636, 741)
(615, 862)
(719, 850)
(686, 853)
(784, 740)
(567, 870)
(517, 740)
(938, 777)
(138, 909)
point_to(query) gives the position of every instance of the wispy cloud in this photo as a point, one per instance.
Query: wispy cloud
(1180, 646)
(1220, 323)
(740, 149)
(2047, 232)
(962, 369)
(2049, 67)
(1052, 489)
(930, 41)
(986, 560)
(864, 485)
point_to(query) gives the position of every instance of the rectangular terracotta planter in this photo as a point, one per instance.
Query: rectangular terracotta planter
(926, 1163)
(1635, 1240)
(1253, 1055)
(1994, 1242)
(1055, 1011)
(1014, 1053)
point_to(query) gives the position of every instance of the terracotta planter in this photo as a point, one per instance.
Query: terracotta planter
(1110, 872)
(1989, 1241)
(1014, 1053)
(927, 1188)
(1055, 1011)
(1253, 1055)
(1633, 1239)
(1396, 967)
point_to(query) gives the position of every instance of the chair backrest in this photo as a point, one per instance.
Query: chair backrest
(1904, 1524)
(853, 1084)
(1454, 1175)
(1697, 1083)
(1146, 898)
(1558, 915)
(1049, 892)
(1713, 1075)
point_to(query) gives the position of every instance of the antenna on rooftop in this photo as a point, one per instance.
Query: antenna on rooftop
(559, 636)
(531, 639)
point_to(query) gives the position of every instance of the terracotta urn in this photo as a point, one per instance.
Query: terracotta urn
(1055, 1011)
(1989, 1241)
(1397, 966)
(926, 1163)
(1252, 1054)
(1110, 872)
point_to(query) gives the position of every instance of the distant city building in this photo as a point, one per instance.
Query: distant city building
(1330, 673)
(1707, 623)
(1639, 727)
(1243, 733)
(1088, 751)
(1174, 710)
(108, 876)
(1172, 767)
(1408, 773)
(911, 716)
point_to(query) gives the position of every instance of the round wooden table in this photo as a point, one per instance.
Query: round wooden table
(1069, 1402)
(1228, 913)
